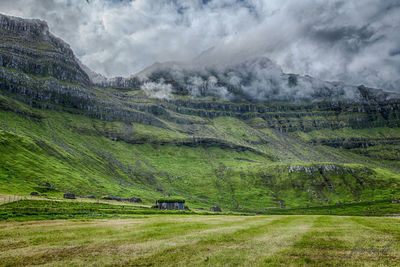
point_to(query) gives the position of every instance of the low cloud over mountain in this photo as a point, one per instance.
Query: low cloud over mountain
(257, 80)
(356, 42)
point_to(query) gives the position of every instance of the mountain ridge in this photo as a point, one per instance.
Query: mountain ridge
(122, 138)
(207, 80)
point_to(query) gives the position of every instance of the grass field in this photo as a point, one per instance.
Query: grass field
(186, 240)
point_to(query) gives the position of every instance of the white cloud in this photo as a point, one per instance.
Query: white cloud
(348, 40)
(157, 90)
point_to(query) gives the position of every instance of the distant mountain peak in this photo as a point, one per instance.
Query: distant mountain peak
(27, 25)
(31, 48)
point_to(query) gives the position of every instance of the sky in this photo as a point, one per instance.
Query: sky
(353, 41)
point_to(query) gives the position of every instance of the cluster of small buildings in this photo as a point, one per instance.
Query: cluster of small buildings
(162, 204)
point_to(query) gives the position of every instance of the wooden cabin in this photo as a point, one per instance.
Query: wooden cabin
(170, 204)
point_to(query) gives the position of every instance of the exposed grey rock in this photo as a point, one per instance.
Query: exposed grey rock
(47, 184)
(89, 196)
(69, 196)
(135, 200)
(110, 197)
(30, 47)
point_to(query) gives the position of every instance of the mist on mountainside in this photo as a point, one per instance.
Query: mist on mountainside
(256, 80)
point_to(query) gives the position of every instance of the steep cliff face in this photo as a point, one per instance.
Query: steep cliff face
(27, 45)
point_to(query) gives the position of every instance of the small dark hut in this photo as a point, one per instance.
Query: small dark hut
(215, 209)
(170, 204)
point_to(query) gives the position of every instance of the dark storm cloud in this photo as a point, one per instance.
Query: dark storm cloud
(339, 34)
(355, 41)
(394, 52)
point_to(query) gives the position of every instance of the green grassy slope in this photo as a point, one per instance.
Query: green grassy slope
(78, 154)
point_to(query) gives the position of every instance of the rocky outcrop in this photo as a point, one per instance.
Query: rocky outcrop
(135, 200)
(109, 197)
(69, 196)
(53, 94)
(323, 183)
(354, 142)
(28, 46)
(132, 199)
(300, 117)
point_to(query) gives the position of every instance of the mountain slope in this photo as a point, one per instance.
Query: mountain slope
(57, 126)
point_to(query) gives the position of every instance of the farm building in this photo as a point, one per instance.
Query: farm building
(170, 204)
(215, 209)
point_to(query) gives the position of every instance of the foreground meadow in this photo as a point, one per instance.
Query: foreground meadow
(193, 240)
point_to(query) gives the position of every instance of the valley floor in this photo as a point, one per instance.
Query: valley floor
(194, 240)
